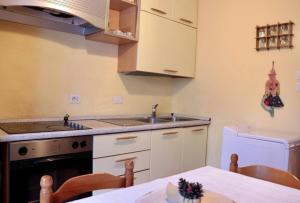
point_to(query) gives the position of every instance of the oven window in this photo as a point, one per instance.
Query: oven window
(25, 175)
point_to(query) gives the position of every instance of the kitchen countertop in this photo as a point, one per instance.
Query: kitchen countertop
(97, 127)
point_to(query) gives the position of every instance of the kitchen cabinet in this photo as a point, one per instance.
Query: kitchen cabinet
(177, 150)
(165, 153)
(109, 145)
(158, 7)
(111, 151)
(121, 19)
(156, 154)
(185, 12)
(165, 48)
(116, 164)
(194, 147)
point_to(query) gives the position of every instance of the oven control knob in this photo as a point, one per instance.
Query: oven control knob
(75, 145)
(23, 151)
(83, 144)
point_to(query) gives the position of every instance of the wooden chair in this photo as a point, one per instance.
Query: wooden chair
(265, 173)
(83, 184)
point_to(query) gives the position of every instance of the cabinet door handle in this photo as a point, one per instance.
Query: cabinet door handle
(170, 133)
(126, 138)
(127, 159)
(186, 20)
(170, 71)
(197, 130)
(158, 11)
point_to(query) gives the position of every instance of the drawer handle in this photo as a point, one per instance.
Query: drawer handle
(170, 133)
(170, 71)
(186, 21)
(197, 130)
(126, 138)
(127, 159)
(158, 11)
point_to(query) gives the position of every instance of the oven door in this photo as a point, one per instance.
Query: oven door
(25, 175)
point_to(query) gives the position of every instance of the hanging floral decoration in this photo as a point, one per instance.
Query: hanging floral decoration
(271, 99)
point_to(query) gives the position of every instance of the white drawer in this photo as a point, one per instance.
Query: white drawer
(141, 177)
(109, 145)
(116, 164)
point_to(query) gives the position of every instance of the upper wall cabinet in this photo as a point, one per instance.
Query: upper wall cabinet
(121, 23)
(186, 12)
(158, 7)
(181, 11)
(165, 48)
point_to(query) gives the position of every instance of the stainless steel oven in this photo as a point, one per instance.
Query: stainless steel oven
(28, 161)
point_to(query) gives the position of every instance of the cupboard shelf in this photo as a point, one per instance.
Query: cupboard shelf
(120, 5)
(122, 18)
(107, 36)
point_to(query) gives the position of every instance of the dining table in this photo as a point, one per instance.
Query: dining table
(239, 188)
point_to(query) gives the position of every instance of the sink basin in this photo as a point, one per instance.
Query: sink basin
(149, 120)
(176, 119)
(143, 121)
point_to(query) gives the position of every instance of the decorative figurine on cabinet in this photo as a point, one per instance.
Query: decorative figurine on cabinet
(271, 97)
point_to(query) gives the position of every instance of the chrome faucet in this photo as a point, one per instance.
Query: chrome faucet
(153, 114)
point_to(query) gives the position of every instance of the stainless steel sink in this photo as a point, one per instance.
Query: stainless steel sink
(144, 121)
(152, 121)
(134, 121)
(177, 119)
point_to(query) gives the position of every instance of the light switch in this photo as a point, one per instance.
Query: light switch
(117, 100)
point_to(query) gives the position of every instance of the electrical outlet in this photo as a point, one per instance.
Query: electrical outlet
(74, 99)
(117, 100)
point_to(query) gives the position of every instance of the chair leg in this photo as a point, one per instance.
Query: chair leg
(234, 163)
(46, 189)
(129, 175)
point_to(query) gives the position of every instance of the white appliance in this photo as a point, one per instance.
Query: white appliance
(75, 16)
(262, 147)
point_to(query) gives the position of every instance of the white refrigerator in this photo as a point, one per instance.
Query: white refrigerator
(261, 147)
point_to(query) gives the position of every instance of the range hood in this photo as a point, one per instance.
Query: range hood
(81, 17)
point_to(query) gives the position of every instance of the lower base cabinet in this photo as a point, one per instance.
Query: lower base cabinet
(194, 148)
(115, 165)
(156, 154)
(177, 150)
(141, 177)
(165, 153)
(110, 152)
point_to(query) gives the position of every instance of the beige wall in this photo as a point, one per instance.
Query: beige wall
(39, 69)
(231, 75)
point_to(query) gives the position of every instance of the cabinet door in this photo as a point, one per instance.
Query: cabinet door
(165, 153)
(155, 44)
(186, 12)
(194, 147)
(158, 7)
(166, 47)
(183, 49)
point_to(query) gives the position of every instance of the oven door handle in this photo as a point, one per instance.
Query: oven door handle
(50, 159)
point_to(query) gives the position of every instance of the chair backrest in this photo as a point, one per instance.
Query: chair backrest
(83, 184)
(265, 173)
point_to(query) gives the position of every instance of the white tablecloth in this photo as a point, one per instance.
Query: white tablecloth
(239, 188)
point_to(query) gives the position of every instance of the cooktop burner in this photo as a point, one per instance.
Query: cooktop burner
(43, 126)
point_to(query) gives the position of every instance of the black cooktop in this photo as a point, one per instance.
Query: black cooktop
(42, 126)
